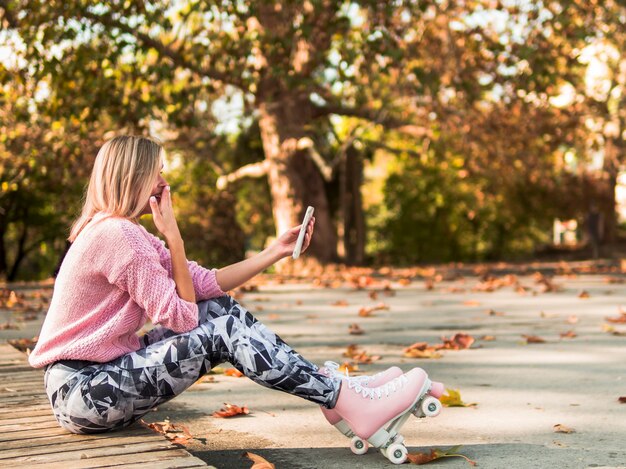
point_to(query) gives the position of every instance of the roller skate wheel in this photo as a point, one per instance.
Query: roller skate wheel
(396, 453)
(431, 407)
(358, 446)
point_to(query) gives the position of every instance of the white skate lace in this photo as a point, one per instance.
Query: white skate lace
(377, 393)
(333, 368)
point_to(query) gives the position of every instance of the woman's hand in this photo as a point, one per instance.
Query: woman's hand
(286, 243)
(163, 215)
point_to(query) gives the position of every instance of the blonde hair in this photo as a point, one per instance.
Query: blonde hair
(121, 179)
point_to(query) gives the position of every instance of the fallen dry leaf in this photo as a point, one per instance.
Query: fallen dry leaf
(558, 428)
(234, 372)
(231, 410)
(176, 433)
(347, 367)
(491, 312)
(458, 341)
(533, 339)
(8, 325)
(612, 330)
(621, 400)
(259, 462)
(488, 338)
(453, 399)
(355, 329)
(367, 311)
(359, 356)
(373, 295)
(340, 303)
(568, 335)
(423, 458)
(621, 319)
(584, 294)
(421, 350)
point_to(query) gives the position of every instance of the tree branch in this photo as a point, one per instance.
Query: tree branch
(250, 170)
(176, 56)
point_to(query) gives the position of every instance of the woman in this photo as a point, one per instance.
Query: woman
(101, 376)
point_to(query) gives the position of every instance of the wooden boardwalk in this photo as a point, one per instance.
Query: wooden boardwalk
(31, 437)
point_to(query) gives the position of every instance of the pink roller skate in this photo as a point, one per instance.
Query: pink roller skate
(332, 369)
(374, 415)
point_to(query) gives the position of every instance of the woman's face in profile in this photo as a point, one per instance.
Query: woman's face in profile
(157, 188)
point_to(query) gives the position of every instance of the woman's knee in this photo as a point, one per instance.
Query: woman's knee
(215, 307)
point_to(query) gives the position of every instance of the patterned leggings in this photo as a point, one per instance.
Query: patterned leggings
(90, 397)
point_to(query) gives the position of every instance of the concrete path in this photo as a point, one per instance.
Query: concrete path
(521, 390)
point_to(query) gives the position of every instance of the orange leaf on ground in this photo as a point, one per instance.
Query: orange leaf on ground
(622, 399)
(568, 335)
(259, 462)
(488, 338)
(453, 399)
(458, 341)
(367, 311)
(421, 350)
(234, 372)
(584, 294)
(558, 428)
(347, 366)
(621, 319)
(171, 431)
(231, 410)
(533, 339)
(423, 458)
(359, 356)
(8, 325)
(491, 312)
(355, 329)
(340, 303)
(373, 295)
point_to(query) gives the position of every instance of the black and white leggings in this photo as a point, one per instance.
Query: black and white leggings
(90, 397)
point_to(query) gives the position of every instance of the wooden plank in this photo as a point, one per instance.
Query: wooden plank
(19, 412)
(17, 366)
(33, 380)
(45, 441)
(29, 419)
(30, 434)
(19, 376)
(73, 445)
(89, 453)
(18, 402)
(177, 463)
(27, 426)
(109, 461)
(45, 432)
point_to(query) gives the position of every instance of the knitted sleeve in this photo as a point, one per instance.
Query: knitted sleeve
(150, 286)
(204, 281)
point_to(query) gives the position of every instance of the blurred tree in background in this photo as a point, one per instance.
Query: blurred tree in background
(420, 131)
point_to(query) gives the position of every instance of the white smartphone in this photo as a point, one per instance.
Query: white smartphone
(305, 223)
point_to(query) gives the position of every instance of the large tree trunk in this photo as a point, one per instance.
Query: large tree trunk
(609, 206)
(352, 207)
(295, 182)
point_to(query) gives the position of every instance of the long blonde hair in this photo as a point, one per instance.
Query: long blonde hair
(121, 179)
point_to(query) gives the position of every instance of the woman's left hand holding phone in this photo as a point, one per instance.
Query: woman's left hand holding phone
(165, 221)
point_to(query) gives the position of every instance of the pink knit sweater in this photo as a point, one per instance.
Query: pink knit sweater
(114, 276)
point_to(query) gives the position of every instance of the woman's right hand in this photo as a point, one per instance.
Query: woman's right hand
(163, 216)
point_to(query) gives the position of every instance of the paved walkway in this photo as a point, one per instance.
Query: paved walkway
(522, 390)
